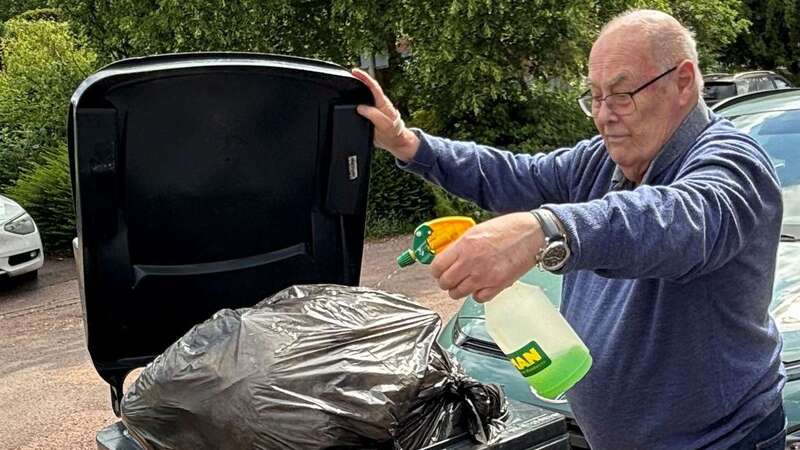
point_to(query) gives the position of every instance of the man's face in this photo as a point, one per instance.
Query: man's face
(621, 62)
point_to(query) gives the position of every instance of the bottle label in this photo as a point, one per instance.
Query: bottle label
(530, 359)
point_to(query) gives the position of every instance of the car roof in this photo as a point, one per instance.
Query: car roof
(753, 73)
(760, 101)
(716, 76)
(729, 78)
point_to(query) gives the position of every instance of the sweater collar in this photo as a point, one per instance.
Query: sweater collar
(681, 140)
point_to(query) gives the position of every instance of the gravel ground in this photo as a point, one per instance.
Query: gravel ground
(50, 394)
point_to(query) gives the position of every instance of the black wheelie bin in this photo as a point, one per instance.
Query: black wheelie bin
(213, 180)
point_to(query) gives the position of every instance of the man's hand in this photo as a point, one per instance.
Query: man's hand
(390, 130)
(489, 257)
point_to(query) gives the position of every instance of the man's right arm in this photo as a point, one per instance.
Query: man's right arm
(496, 180)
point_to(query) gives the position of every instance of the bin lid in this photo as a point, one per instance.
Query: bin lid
(209, 181)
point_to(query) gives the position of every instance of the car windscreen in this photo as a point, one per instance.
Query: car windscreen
(779, 133)
(716, 91)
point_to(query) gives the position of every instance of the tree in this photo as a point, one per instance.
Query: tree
(772, 40)
(716, 23)
(477, 65)
(129, 28)
(11, 8)
(501, 72)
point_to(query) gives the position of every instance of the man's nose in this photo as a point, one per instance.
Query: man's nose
(603, 114)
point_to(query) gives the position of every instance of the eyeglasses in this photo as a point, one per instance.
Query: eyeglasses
(621, 103)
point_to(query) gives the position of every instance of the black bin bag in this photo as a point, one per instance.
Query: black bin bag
(312, 367)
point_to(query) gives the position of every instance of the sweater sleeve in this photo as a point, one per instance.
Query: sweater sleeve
(726, 192)
(497, 180)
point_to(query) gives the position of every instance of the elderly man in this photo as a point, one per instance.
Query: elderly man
(665, 227)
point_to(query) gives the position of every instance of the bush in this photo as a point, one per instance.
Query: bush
(44, 190)
(43, 63)
(449, 205)
(398, 201)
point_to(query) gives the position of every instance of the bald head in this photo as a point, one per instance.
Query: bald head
(666, 40)
(643, 81)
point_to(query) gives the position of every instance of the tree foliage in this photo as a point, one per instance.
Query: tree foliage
(316, 29)
(501, 72)
(715, 23)
(478, 67)
(772, 40)
(12, 8)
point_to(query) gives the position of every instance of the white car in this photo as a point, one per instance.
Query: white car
(20, 244)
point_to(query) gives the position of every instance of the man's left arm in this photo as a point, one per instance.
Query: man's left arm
(720, 199)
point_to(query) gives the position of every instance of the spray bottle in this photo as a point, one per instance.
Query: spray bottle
(532, 334)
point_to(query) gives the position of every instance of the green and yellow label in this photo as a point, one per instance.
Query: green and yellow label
(530, 359)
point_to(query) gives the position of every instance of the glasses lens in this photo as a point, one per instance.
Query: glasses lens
(586, 105)
(621, 104)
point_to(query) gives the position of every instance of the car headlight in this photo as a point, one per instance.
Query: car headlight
(21, 225)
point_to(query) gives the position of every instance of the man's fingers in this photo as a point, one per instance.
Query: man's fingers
(452, 277)
(465, 288)
(443, 261)
(486, 294)
(379, 119)
(373, 86)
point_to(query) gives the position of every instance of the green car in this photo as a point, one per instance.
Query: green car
(772, 118)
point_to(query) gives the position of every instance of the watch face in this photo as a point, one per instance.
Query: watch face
(555, 255)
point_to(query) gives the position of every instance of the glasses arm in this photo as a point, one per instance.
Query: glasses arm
(642, 87)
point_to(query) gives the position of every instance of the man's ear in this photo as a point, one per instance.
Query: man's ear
(687, 82)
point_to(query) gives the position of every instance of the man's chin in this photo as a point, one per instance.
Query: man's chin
(616, 150)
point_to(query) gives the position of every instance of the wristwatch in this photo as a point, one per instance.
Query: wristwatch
(555, 252)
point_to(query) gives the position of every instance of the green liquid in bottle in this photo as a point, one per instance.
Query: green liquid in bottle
(537, 340)
(564, 371)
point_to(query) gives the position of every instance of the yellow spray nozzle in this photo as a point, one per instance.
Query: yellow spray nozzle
(433, 237)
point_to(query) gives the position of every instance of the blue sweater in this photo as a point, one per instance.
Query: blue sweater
(668, 284)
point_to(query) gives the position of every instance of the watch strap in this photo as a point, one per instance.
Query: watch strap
(549, 225)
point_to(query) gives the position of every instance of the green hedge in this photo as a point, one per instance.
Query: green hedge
(397, 200)
(43, 63)
(44, 190)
